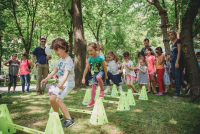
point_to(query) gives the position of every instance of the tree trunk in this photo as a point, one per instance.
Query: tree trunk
(187, 45)
(176, 16)
(179, 20)
(1, 49)
(79, 43)
(163, 15)
(70, 33)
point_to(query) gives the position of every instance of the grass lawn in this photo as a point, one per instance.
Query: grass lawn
(160, 114)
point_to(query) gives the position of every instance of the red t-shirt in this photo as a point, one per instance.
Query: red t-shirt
(24, 67)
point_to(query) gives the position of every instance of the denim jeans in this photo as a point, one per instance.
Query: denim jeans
(101, 73)
(25, 79)
(177, 75)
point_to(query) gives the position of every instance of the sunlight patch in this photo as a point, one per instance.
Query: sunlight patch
(198, 106)
(155, 101)
(172, 121)
(34, 108)
(111, 129)
(137, 110)
(15, 115)
(15, 102)
(24, 96)
(40, 123)
(35, 102)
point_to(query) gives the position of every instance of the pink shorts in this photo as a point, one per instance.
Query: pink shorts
(151, 72)
(130, 77)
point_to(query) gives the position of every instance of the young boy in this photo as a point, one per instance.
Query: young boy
(3, 78)
(66, 83)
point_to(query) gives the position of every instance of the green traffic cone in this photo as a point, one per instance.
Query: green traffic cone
(143, 94)
(54, 124)
(130, 98)
(97, 93)
(114, 90)
(87, 97)
(98, 116)
(3, 127)
(51, 111)
(123, 104)
(5, 113)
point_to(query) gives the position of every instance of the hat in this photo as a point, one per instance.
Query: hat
(43, 38)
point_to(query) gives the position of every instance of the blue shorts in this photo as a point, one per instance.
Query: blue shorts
(101, 73)
(116, 79)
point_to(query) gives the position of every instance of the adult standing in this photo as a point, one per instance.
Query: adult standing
(42, 65)
(146, 45)
(177, 63)
(25, 71)
(13, 65)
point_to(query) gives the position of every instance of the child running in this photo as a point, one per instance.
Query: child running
(130, 74)
(160, 61)
(100, 70)
(113, 73)
(65, 69)
(143, 76)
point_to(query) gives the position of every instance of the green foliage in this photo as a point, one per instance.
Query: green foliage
(118, 25)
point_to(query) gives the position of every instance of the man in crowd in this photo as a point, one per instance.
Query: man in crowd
(42, 65)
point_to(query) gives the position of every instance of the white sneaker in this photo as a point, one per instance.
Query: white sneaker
(120, 89)
(107, 89)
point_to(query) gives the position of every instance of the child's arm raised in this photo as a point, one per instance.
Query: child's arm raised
(105, 69)
(49, 76)
(60, 85)
(85, 72)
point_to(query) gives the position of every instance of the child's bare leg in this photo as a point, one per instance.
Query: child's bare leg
(128, 83)
(149, 84)
(140, 86)
(132, 86)
(54, 105)
(63, 108)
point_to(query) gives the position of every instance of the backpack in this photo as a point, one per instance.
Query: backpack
(10, 61)
(29, 66)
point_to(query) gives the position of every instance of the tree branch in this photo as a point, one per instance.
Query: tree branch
(18, 26)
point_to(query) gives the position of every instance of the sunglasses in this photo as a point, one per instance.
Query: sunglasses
(43, 41)
(125, 56)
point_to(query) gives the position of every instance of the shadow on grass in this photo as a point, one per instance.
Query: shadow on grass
(160, 114)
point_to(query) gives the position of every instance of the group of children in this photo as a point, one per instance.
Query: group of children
(148, 67)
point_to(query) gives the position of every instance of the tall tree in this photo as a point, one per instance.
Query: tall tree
(79, 42)
(187, 45)
(163, 15)
(24, 16)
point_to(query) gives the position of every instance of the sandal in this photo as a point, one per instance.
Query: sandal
(148, 91)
